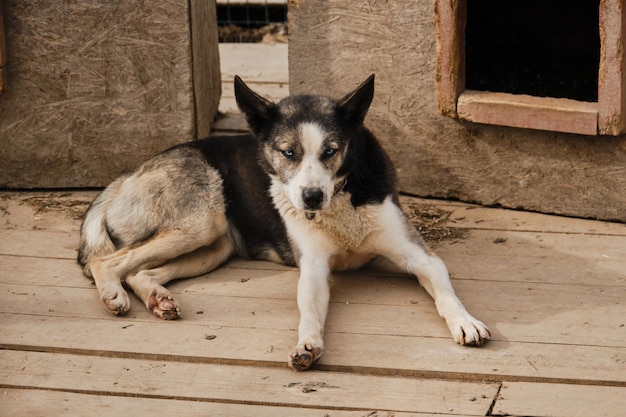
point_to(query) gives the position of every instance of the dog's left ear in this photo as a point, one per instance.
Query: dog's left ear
(354, 106)
(259, 112)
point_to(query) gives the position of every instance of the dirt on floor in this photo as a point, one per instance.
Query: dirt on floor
(63, 203)
(431, 222)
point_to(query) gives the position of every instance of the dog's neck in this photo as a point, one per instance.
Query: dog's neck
(340, 186)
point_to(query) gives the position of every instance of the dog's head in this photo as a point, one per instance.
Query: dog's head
(305, 140)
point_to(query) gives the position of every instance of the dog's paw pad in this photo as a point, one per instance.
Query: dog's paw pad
(163, 305)
(303, 357)
(117, 302)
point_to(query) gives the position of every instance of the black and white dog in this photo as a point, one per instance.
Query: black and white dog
(311, 187)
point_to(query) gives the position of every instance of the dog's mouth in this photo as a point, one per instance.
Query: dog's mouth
(310, 215)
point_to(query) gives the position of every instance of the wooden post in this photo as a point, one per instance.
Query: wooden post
(611, 80)
(207, 82)
(3, 51)
(450, 19)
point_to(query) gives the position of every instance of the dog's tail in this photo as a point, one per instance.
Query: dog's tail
(95, 240)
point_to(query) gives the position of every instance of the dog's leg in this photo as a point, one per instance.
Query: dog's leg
(110, 270)
(148, 284)
(313, 298)
(401, 244)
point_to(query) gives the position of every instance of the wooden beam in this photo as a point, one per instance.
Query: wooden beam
(611, 80)
(519, 110)
(207, 85)
(3, 51)
(450, 18)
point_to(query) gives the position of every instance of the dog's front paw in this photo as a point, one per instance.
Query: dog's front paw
(116, 301)
(163, 305)
(303, 356)
(469, 331)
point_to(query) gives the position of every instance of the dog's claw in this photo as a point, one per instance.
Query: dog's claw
(470, 332)
(302, 359)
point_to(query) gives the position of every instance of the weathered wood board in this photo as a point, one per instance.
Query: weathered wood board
(97, 87)
(539, 282)
(336, 44)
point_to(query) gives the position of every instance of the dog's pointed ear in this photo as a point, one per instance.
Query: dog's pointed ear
(259, 112)
(354, 106)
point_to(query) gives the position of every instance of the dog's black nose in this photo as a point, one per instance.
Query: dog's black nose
(312, 198)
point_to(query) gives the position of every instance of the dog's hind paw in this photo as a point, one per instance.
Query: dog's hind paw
(117, 302)
(163, 305)
(470, 332)
(304, 356)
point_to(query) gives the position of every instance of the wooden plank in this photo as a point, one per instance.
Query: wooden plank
(473, 216)
(531, 316)
(520, 110)
(559, 400)
(52, 211)
(242, 384)
(37, 403)
(504, 255)
(205, 62)
(394, 303)
(437, 357)
(43, 243)
(612, 82)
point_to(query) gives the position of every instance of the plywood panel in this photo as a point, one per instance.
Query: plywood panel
(96, 89)
(207, 85)
(437, 156)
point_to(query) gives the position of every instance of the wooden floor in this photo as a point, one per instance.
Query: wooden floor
(551, 289)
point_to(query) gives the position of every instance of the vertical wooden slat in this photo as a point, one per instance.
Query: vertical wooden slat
(207, 84)
(611, 82)
(3, 51)
(450, 18)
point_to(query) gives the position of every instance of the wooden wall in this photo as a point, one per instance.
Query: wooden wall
(94, 88)
(335, 44)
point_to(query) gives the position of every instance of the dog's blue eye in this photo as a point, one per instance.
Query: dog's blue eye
(330, 152)
(288, 153)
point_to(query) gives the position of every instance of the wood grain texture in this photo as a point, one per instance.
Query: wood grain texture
(207, 84)
(520, 110)
(345, 41)
(550, 288)
(450, 19)
(96, 89)
(559, 400)
(612, 74)
(243, 384)
(36, 403)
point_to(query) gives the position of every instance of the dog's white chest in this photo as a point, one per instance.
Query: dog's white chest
(342, 224)
(345, 225)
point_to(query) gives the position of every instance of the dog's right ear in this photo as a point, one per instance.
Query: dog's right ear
(259, 112)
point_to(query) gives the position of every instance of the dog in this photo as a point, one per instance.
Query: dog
(309, 187)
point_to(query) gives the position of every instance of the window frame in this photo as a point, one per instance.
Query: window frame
(607, 116)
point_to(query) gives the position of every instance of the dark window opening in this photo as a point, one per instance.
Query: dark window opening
(544, 48)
